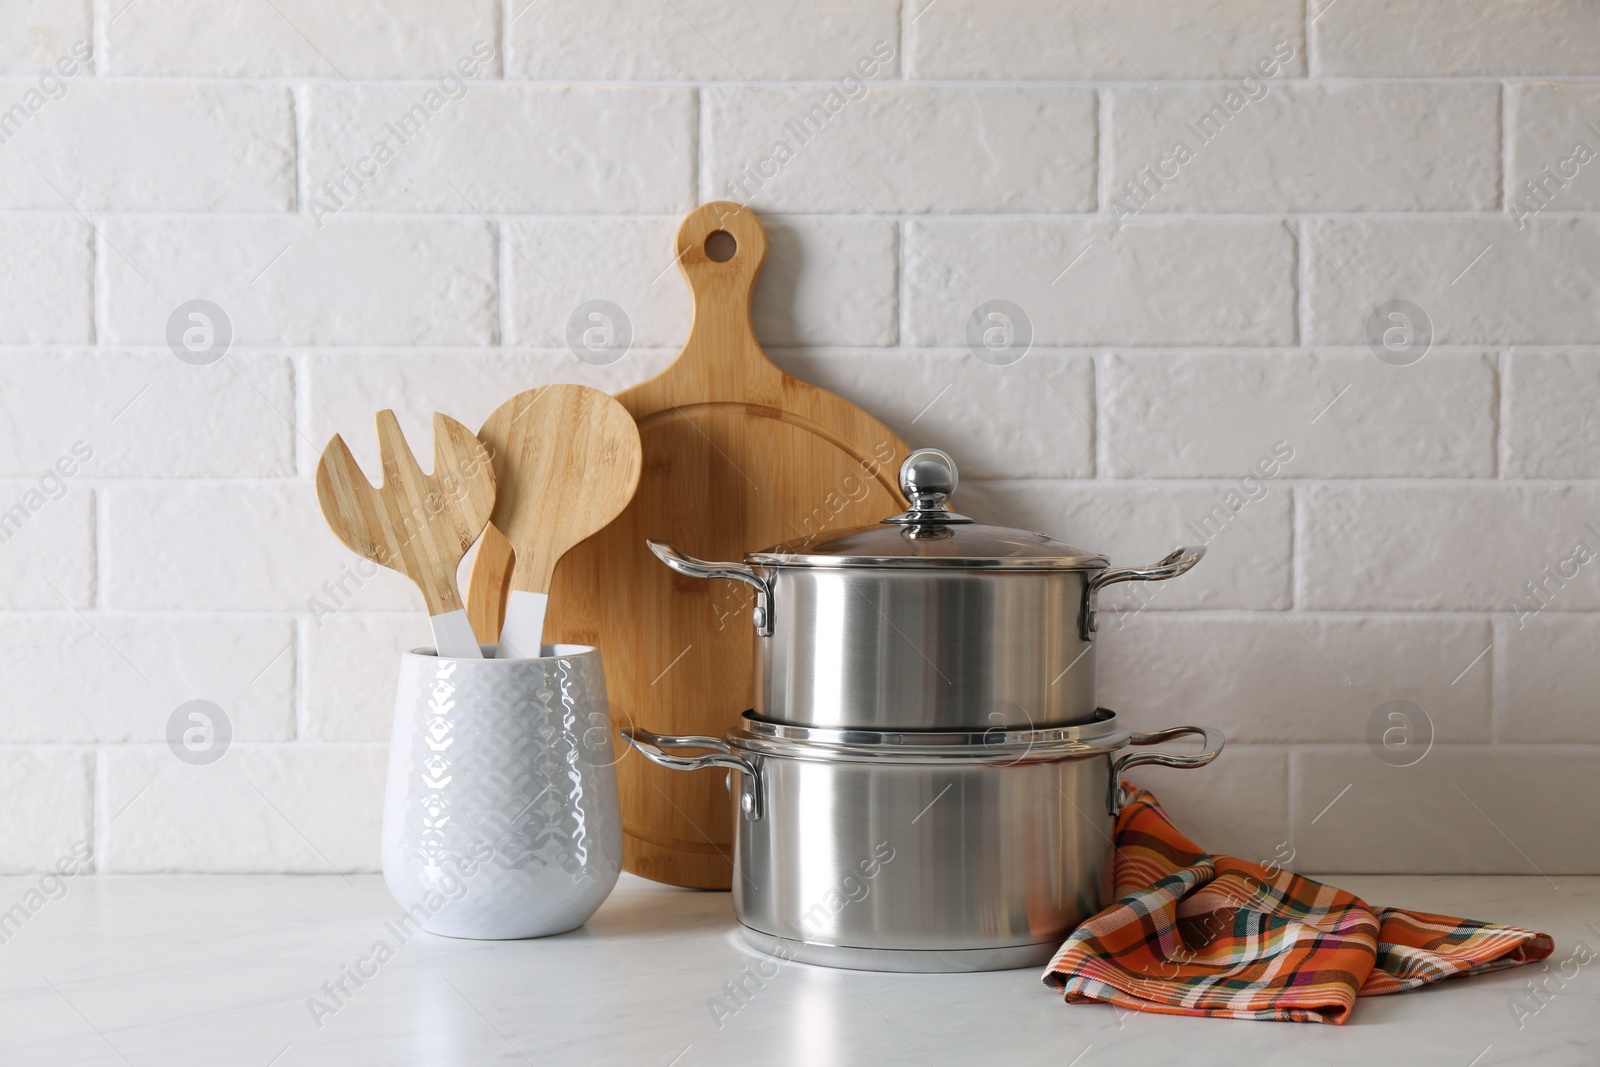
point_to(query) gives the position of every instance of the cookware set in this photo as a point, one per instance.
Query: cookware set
(916, 771)
(910, 701)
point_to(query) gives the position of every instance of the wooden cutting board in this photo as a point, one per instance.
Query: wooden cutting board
(737, 456)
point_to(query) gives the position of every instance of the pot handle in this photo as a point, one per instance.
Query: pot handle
(652, 747)
(738, 572)
(1214, 740)
(1174, 563)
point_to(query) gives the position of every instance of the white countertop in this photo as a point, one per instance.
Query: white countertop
(169, 971)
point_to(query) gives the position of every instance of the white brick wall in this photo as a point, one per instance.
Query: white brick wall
(137, 146)
(1191, 313)
(249, 39)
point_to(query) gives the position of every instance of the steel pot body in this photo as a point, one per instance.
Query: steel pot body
(897, 648)
(921, 852)
(942, 647)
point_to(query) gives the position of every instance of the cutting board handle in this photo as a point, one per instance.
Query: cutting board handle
(721, 248)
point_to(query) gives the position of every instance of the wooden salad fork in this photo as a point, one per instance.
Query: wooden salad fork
(418, 524)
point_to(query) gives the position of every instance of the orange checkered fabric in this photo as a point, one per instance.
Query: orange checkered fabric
(1196, 934)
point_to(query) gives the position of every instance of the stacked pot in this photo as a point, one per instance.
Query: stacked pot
(926, 782)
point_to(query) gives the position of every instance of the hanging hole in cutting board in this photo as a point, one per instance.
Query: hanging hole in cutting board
(720, 246)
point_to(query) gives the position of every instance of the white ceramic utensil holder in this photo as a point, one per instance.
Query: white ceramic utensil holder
(501, 818)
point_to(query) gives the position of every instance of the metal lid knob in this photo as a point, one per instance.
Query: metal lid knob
(928, 478)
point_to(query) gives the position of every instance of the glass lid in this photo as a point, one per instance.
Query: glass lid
(929, 534)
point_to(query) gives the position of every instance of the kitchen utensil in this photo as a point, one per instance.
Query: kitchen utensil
(926, 620)
(736, 454)
(501, 816)
(418, 524)
(566, 459)
(922, 850)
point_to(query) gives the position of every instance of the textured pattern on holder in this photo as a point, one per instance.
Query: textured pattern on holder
(506, 766)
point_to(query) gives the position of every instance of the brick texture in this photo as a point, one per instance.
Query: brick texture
(1312, 285)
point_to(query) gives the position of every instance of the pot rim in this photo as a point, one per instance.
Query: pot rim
(1071, 564)
(1098, 736)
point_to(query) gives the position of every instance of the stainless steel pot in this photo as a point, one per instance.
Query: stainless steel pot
(927, 620)
(933, 851)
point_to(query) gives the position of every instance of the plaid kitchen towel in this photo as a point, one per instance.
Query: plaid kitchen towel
(1196, 934)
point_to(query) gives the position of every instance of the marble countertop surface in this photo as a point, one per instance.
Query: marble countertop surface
(177, 970)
